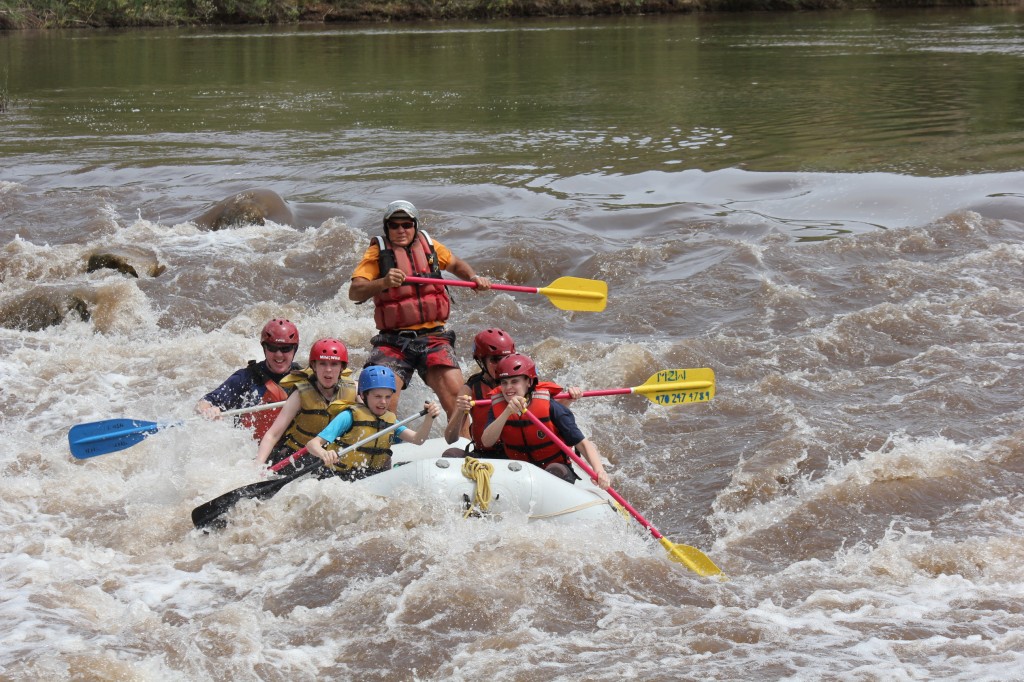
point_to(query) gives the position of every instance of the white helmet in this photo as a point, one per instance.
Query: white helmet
(405, 207)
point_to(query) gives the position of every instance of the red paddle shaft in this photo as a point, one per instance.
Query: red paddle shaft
(289, 459)
(593, 475)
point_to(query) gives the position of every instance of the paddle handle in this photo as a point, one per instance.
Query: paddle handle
(255, 408)
(291, 458)
(472, 285)
(593, 475)
(153, 427)
(145, 427)
(565, 394)
(547, 291)
(661, 387)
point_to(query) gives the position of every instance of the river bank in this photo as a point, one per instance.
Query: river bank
(15, 14)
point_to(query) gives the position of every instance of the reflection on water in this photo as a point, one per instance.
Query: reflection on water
(920, 93)
(593, 108)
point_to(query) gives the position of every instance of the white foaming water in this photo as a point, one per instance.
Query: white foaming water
(835, 572)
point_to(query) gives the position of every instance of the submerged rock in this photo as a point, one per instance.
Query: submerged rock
(134, 261)
(43, 307)
(253, 207)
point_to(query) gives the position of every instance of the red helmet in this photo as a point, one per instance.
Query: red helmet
(328, 349)
(516, 365)
(491, 342)
(280, 330)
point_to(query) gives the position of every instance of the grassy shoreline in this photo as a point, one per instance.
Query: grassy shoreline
(26, 14)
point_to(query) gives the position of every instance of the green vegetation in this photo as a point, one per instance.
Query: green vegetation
(97, 13)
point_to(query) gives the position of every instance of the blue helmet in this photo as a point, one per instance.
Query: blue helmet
(376, 376)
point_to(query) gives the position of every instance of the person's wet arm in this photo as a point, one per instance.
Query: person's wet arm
(367, 279)
(419, 436)
(277, 429)
(213, 403)
(593, 458)
(204, 408)
(463, 404)
(464, 270)
(492, 434)
(362, 289)
(575, 392)
(339, 426)
(237, 391)
(315, 446)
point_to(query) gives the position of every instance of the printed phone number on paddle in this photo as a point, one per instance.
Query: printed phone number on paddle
(680, 398)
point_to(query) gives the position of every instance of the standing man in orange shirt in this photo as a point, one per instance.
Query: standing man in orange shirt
(411, 317)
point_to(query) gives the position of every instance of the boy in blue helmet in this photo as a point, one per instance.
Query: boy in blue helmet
(376, 386)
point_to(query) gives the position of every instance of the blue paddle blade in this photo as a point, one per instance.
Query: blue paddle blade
(111, 435)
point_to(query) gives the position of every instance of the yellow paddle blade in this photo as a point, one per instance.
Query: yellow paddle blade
(694, 559)
(678, 386)
(577, 293)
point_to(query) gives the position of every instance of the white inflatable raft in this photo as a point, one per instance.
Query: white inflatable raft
(513, 485)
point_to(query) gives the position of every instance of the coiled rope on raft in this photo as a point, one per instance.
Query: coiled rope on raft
(480, 473)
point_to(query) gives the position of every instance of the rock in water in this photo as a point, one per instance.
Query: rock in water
(253, 207)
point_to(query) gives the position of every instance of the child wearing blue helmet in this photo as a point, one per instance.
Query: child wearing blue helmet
(376, 386)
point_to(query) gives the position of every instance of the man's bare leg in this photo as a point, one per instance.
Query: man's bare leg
(446, 382)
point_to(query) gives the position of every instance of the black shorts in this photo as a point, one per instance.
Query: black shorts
(405, 352)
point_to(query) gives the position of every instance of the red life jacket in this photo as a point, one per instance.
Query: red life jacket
(410, 304)
(260, 422)
(521, 438)
(478, 417)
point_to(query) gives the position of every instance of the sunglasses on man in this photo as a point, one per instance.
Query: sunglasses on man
(280, 348)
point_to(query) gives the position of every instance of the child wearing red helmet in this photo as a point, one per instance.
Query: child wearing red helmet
(489, 347)
(520, 390)
(320, 393)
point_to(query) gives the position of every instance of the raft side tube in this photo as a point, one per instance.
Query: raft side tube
(514, 486)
